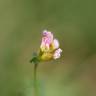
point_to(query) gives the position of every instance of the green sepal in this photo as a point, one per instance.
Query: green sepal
(35, 59)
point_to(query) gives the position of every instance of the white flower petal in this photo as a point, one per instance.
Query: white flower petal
(59, 50)
(57, 54)
(56, 43)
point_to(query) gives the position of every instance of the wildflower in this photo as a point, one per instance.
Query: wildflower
(49, 48)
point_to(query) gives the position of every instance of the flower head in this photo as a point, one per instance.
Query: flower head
(49, 48)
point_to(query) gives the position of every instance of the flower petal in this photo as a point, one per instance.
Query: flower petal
(57, 54)
(56, 44)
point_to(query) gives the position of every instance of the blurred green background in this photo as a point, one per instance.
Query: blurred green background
(73, 22)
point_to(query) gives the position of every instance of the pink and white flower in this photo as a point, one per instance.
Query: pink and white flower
(50, 45)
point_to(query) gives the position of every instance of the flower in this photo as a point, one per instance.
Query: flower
(46, 41)
(49, 48)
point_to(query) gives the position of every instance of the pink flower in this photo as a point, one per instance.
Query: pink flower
(46, 40)
(49, 46)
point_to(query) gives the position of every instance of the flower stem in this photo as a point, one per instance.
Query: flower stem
(35, 80)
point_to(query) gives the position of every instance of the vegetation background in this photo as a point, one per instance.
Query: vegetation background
(73, 22)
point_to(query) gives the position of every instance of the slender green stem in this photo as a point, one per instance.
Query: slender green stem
(35, 80)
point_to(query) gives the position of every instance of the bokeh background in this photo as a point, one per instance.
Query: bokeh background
(73, 22)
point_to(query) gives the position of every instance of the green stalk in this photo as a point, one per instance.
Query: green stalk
(35, 80)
